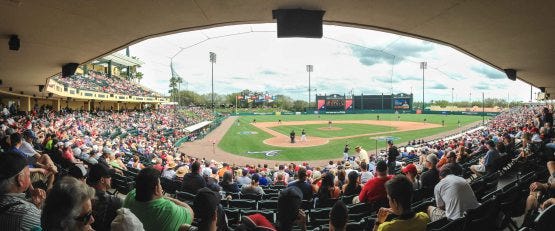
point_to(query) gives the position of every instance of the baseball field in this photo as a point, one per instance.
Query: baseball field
(268, 137)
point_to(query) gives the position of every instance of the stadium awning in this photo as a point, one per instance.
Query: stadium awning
(122, 60)
(198, 126)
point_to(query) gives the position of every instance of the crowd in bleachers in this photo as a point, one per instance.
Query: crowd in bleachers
(445, 184)
(99, 82)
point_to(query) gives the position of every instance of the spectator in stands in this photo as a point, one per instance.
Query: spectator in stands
(18, 212)
(37, 173)
(116, 162)
(487, 163)
(158, 165)
(411, 173)
(169, 172)
(289, 211)
(280, 180)
(365, 174)
(443, 160)
(399, 194)
(302, 184)
(137, 163)
(155, 211)
(374, 189)
(78, 172)
(225, 168)
(244, 179)
(339, 215)
(42, 161)
(253, 187)
(362, 154)
(68, 206)
(352, 187)
(453, 196)
(104, 205)
(341, 177)
(193, 181)
(180, 172)
(255, 222)
(392, 154)
(537, 188)
(327, 189)
(211, 183)
(206, 206)
(264, 180)
(462, 154)
(281, 171)
(227, 183)
(510, 145)
(430, 178)
(126, 221)
(452, 159)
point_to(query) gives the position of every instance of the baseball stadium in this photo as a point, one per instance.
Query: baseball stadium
(277, 115)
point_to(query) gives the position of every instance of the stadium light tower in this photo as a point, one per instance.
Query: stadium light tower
(423, 66)
(452, 95)
(212, 60)
(309, 68)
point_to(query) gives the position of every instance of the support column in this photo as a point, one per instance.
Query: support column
(88, 106)
(25, 104)
(57, 104)
(117, 106)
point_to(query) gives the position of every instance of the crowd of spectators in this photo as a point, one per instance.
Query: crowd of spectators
(113, 144)
(99, 82)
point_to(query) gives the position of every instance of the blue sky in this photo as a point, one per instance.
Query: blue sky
(345, 60)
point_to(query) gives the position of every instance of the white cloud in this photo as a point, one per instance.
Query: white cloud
(251, 57)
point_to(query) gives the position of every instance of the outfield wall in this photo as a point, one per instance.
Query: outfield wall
(370, 112)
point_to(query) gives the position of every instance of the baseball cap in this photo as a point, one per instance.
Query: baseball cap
(11, 164)
(99, 171)
(205, 204)
(78, 171)
(409, 168)
(255, 222)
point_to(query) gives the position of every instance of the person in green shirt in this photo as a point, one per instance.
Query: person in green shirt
(155, 211)
(399, 193)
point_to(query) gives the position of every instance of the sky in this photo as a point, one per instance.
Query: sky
(346, 60)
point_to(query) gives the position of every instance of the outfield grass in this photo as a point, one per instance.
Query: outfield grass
(240, 144)
(319, 130)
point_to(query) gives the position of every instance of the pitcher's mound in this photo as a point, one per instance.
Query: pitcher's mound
(330, 129)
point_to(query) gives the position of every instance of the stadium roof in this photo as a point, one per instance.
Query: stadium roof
(505, 34)
(122, 60)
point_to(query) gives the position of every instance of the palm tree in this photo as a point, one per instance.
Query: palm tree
(179, 81)
(173, 85)
(139, 76)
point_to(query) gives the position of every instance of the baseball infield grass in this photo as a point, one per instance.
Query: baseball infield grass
(243, 137)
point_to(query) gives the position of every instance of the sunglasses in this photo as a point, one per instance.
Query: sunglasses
(85, 218)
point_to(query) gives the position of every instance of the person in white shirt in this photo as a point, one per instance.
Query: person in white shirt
(453, 195)
(365, 175)
(362, 155)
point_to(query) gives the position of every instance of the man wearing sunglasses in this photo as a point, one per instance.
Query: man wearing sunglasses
(17, 212)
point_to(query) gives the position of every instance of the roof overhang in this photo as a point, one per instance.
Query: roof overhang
(505, 34)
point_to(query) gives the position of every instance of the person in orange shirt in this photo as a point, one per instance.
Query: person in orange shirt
(224, 169)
